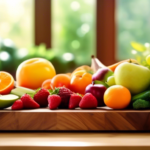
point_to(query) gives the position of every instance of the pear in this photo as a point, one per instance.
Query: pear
(132, 76)
(7, 100)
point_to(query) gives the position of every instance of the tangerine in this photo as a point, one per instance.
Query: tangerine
(117, 97)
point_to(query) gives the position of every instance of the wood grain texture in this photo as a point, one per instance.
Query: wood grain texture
(100, 119)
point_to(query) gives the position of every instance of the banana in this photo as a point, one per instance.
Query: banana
(96, 64)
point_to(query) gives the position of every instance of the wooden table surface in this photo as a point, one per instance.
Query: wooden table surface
(82, 141)
(100, 119)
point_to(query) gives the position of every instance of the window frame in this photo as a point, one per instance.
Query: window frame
(105, 28)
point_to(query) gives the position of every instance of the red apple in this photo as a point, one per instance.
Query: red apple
(102, 74)
(97, 90)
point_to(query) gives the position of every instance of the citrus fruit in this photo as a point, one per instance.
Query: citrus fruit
(117, 97)
(6, 82)
(33, 72)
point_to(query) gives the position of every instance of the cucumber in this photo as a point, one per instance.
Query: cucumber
(144, 95)
(19, 91)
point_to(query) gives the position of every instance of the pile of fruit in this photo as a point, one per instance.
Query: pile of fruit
(125, 84)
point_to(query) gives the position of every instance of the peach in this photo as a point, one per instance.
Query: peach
(33, 72)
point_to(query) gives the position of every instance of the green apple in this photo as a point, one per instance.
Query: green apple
(132, 76)
(7, 100)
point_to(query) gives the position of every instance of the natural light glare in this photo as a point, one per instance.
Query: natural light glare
(4, 56)
(5, 27)
(69, 143)
(75, 5)
(147, 45)
(134, 52)
(89, 1)
(68, 56)
(17, 21)
(85, 28)
(22, 52)
(8, 42)
(86, 17)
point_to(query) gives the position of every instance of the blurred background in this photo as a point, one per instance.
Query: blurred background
(68, 32)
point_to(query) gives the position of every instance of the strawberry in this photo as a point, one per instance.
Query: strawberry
(17, 105)
(88, 101)
(28, 102)
(54, 101)
(41, 97)
(64, 93)
(74, 101)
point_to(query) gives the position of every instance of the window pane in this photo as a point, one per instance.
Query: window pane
(16, 21)
(73, 27)
(133, 24)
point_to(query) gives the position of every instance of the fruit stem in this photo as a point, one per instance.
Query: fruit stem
(92, 56)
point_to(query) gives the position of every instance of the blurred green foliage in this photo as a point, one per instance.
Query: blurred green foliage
(73, 26)
(133, 24)
(11, 57)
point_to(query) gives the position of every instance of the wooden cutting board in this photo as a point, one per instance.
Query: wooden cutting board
(100, 119)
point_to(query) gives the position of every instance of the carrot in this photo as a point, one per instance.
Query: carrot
(113, 67)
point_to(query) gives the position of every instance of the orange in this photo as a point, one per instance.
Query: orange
(60, 80)
(79, 81)
(117, 97)
(6, 82)
(33, 72)
(47, 84)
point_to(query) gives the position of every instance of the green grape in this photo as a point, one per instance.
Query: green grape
(111, 80)
(148, 59)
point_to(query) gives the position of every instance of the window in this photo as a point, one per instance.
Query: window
(133, 24)
(73, 29)
(16, 21)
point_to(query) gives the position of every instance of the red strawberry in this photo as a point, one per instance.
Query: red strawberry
(54, 101)
(28, 102)
(74, 101)
(64, 93)
(17, 105)
(41, 97)
(88, 101)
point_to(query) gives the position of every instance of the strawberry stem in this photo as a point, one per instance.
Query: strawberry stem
(55, 91)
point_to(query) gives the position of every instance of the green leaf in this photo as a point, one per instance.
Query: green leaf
(55, 91)
(37, 90)
(138, 47)
(79, 94)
